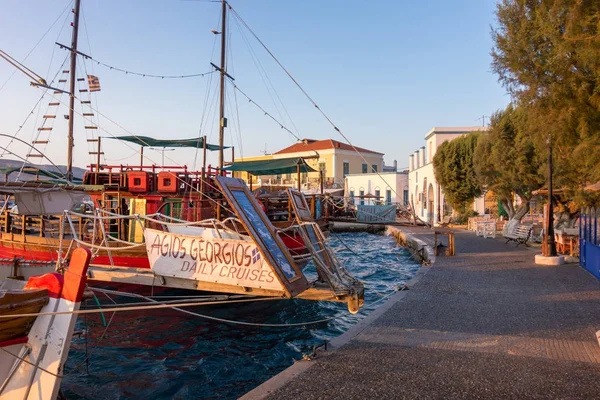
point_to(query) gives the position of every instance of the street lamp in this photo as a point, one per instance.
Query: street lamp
(162, 150)
(550, 245)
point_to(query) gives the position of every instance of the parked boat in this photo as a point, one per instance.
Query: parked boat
(34, 345)
(129, 204)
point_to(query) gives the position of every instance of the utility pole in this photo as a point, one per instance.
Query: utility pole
(483, 117)
(222, 119)
(73, 77)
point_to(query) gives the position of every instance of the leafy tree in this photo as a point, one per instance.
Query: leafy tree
(547, 54)
(506, 161)
(453, 168)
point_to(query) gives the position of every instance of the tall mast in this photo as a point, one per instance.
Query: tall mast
(73, 77)
(222, 119)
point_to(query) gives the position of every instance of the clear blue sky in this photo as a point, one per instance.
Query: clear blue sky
(385, 72)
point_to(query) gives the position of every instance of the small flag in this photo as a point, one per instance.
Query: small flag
(255, 255)
(93, 83)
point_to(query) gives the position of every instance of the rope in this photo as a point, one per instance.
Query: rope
(183, 181)
(236, 322)
(266, 112)
(308, 96)
(127, 72)
(30, 363)
(117, 309)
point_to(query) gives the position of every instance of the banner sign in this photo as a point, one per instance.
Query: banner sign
(382, 214)
(212, 260)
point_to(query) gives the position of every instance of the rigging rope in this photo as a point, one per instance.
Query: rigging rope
(308, 96)
(144, 75)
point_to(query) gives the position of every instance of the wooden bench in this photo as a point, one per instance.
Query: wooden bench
(447, 220)
(518, 233)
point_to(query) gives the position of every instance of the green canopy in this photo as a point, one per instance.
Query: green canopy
(271, 167)
(146, 141)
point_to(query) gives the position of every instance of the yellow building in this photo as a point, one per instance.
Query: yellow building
(335, 160)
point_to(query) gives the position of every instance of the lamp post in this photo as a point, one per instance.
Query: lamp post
(162, 150)
(550, 245)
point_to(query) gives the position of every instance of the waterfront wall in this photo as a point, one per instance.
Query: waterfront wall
(421, 252)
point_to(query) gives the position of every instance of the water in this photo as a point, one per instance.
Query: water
(164, 354)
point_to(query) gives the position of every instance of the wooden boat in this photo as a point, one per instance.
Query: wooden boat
(34, 348)
(251, 258)
(128, 201)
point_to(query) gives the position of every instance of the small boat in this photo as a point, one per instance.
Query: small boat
(36, 327)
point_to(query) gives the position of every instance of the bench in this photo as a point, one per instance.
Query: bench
(518, 233)
(447, 220)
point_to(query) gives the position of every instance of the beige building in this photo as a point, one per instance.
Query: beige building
(425, 194)
(335, 160)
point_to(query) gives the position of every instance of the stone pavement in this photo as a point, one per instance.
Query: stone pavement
(487, 323)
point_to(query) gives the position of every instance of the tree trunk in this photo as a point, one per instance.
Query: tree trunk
(521, 211)
(508, 207)
(515, 214)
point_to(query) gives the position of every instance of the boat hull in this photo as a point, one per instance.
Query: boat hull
(38, 255)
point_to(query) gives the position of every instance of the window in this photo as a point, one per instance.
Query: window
(388, 196)
(405, 197)
(137, 181)
(377, 194)
(364, 168)
(362, 199)
(374, 166)
(167, 182)
(346, 168)
(322, 166)
(352, 197)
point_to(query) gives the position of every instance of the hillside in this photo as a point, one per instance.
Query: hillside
(77, 172)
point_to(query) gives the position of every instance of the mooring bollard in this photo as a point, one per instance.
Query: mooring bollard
(450, 234)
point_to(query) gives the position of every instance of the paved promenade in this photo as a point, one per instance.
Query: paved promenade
(487, 323)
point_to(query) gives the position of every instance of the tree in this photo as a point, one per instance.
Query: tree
(506, 161)
(453, 168)
(547, 54)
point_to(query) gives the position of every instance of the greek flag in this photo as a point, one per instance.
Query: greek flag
(93, 83)
(255, 255)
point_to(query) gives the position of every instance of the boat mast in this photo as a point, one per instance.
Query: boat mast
(70, 143)
(222, 119)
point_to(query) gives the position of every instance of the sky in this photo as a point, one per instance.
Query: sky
(385, 73)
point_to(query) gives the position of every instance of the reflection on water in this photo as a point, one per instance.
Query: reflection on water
(164, 354)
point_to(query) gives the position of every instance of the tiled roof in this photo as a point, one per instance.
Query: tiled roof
(310, 144)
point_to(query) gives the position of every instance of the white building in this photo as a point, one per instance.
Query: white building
(425, 194)
(385, 187)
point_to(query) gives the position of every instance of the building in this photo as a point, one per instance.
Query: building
(425, 194)
(380, 188)
(335, 159)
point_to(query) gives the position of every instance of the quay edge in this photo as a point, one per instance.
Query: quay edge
(422, 253)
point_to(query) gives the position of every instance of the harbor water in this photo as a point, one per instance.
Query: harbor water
(165, 354)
